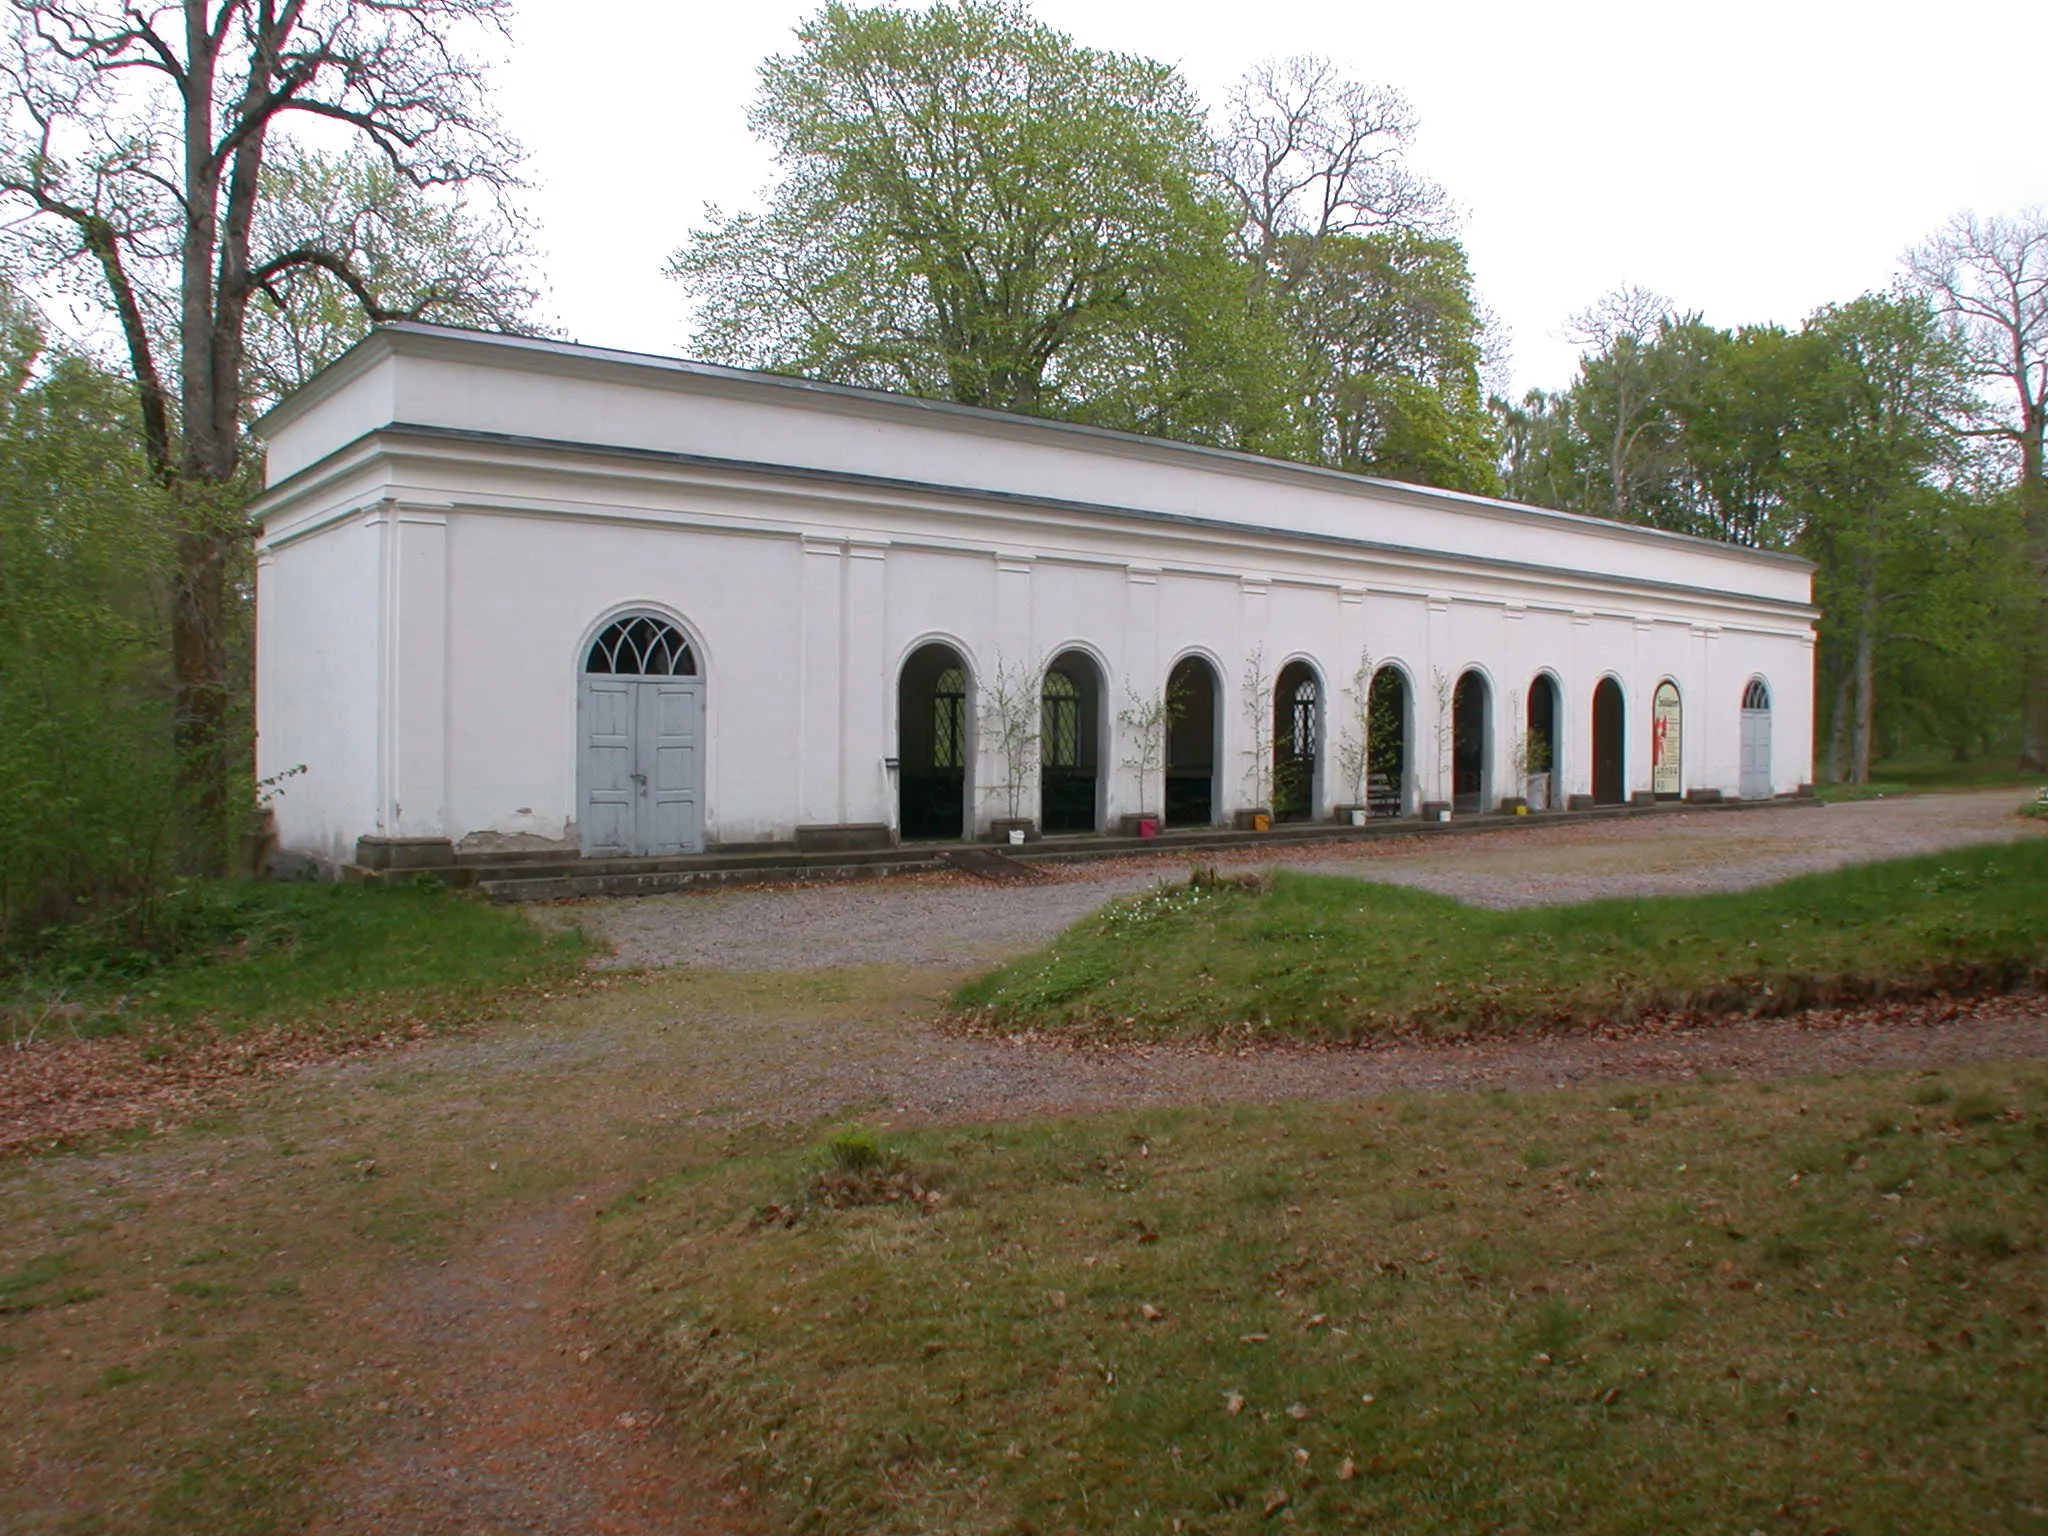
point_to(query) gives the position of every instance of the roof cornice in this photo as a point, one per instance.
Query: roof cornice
(572, 359)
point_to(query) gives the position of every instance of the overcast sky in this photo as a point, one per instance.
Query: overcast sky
(1748, 160)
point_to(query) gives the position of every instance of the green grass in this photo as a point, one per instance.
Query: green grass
(1930, 772)
(329, 955)
(1331, 958)
(1665, 1309)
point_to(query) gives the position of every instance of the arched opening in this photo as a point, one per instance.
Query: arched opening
(1069, 743)
(1191, 750)
(1297, 734)
(1755, 781)
(640, 727)
(1610, 786)
(1471, 733)
(1667, 742)
(1540, 743)
(933, 745)
(1386, 749)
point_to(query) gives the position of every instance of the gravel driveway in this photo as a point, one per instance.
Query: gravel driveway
(952, 921)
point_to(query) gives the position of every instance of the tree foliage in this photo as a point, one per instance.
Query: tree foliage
(975, 208)
(87, 772)
(1989, 278)
(136, 157)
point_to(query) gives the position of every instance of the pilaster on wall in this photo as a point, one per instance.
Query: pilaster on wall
(1243, 739)
(1436, 688)
(412, 667)
(865, 685)
(821, 756)
(1144, 678)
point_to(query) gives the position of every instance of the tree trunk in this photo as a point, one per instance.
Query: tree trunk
(1838, 730)
(2034, 508)
(1866, 691)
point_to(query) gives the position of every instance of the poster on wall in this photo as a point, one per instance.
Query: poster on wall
(1664, 743)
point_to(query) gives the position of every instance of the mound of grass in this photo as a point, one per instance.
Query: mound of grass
(254, 954)
(1324, 957)
(1697, 1308)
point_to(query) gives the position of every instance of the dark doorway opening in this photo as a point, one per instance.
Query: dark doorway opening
(1297, 731)
(1610, 760)
(1540, 743)
(1069, 743)
(1471, 708)
(933, 744)
(1191, 744)
(1386, 749)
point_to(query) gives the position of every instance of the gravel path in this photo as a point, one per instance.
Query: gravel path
(951, 921)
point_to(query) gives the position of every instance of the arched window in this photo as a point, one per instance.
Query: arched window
(949, 719)
(640, 645)
(1060, 730)
(1757, 695)
(1302, 720)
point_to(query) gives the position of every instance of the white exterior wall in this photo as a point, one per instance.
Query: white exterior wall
(425, 600)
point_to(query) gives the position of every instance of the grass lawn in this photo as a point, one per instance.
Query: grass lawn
(1930, 772)
(1326, 957)
(333, 956)
(1714, 1308)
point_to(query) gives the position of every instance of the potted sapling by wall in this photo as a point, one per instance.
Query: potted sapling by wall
(1257, 814)
(1518, 773)
(1146, 720)
(1534, 771)
(1009, 721)
(1439, 809)
(1354, 746)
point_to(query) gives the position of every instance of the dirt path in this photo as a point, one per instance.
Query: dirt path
(364, 1301)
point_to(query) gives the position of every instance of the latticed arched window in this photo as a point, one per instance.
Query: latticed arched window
(949, 719)
(1757, 695)
(1301, 720)
(1060, 738)
(641, 646)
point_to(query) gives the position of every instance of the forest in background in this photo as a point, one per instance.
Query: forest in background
(968, 205)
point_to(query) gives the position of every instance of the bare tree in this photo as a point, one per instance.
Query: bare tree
(1307, 152)
(1619, 331)
(1989, 278)
(133, 154)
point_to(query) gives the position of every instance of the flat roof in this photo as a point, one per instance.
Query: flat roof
(386, 339)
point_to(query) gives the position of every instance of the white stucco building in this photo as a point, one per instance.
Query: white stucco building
(518, 592)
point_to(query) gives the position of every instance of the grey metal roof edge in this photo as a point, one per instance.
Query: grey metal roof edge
(1020, 499)
(554, 351)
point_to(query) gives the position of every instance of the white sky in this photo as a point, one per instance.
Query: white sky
(1750, 160)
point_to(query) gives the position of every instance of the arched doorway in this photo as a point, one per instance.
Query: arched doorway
(933, 744)
(1297, 732)
(1386, 749)
(1191, 690)
(1471, 765)
(1069, 743)
(1610, 761)
(640, 727)
(1755, 782)
(1540, 744)
(1667, 742)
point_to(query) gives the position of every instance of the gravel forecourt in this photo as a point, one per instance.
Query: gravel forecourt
(952, 921)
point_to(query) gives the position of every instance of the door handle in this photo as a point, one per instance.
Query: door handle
(639, 779)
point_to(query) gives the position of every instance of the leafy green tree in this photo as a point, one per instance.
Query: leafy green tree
(1989, 279)
(1389, 339)
(972, 207)
(133, 154)
(1871, 462)
(88, 801)
(1349, 259)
